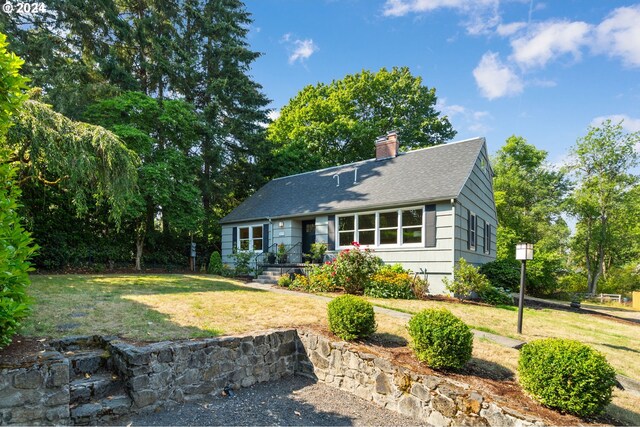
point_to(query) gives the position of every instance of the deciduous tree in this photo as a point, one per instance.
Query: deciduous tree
(529, 197)
(336, 123)
(602, 163)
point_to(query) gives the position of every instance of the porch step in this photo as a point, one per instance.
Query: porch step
(94, 387)
(100, 411)
(87, 362)
(267, 280)
(271, 273)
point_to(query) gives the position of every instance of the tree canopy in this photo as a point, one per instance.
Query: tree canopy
(529, 198)
(605, 194)
(336, 123)
(88, 161)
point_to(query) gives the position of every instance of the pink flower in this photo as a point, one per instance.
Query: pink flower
(356, 244)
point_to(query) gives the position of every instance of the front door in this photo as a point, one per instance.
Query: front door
(308, 237)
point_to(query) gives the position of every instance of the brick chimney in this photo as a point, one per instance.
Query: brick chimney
(387, 146)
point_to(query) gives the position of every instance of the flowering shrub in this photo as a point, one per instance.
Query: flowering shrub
(300, 283)
(285, 281)
(391, 281)
(321, 278)
(354, 267)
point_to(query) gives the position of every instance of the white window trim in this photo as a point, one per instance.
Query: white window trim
(377, 243)
(238, 240)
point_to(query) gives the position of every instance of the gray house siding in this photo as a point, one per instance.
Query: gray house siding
(452, 179)
(476, 197)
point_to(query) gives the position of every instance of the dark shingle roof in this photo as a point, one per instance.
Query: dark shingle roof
(428, 174)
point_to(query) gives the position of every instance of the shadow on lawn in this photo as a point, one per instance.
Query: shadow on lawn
(98, 305)
(142, 284)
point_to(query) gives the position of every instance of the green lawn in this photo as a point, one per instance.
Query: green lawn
(620, 342)
(160, 307)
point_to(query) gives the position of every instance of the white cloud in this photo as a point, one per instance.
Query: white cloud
(619, 35)
(480, 15)
(495, 79)
(273, 114)
(300, 50)
(510, 29)
(403, 7)
(629, 124)
(549, 40)
(463, 117)
(303, 50)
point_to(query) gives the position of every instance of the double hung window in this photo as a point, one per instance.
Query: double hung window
(397, 227)
(250, 238)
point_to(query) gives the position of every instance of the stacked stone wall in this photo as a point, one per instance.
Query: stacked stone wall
(434, 399)
(35, 392)
(170, 373)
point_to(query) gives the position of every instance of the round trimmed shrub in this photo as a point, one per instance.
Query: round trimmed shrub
(440, 339)
(566, 375)
(351, 317)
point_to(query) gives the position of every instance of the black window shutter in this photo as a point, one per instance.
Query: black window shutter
(468, 229)
(234, 234)
(331, 243)
(487, 238)
(265, 237)
(475, 241)
(430, 226)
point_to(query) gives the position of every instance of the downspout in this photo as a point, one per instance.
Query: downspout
(453, 252)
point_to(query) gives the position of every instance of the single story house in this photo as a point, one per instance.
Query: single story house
(424, 209)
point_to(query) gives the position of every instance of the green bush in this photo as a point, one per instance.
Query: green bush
(242, 262)
(215, 263)
(351, 317)
(566, 375)
(502, 273)
(16, 245)
(300, 283)
(466, 280)
(321, 278)
(496, 296)
(354, 267)
(440, 339)
(391, 281)
(285, 281)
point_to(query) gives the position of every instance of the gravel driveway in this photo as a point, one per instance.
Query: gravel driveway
(292, 401)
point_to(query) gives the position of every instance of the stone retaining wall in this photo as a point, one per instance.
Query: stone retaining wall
(170, 373)
(37, 392)
(434, 399)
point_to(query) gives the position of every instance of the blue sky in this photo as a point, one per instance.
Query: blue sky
(544, 70)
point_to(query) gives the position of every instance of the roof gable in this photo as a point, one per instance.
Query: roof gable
(428, 174)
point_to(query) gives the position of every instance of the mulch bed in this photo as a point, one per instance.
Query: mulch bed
(497, 381)
(22, 350)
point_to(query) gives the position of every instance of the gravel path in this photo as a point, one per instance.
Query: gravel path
(292, 401)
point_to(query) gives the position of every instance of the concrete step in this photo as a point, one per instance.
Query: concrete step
(94, 387)
(266, 281)
(100, 411)
(86, 362)
(271, 273)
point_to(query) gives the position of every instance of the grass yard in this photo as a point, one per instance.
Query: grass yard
(161, 307)
(619, 342)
